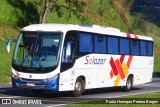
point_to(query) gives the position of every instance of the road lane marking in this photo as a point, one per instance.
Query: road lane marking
(152, 85)
(11, 97)
(58, 105)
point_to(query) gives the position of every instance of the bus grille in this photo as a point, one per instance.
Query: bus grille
(33, 87)
(31, 80)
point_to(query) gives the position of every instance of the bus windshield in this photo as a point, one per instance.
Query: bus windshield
(37, 49)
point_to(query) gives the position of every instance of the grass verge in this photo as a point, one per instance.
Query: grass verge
(154, 97)
(6, 33)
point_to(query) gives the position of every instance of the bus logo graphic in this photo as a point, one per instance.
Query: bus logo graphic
(95, 61)
(119, 68)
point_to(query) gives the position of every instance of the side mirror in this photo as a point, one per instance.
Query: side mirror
(8, 44)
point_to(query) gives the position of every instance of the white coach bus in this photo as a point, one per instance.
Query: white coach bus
(64, 57)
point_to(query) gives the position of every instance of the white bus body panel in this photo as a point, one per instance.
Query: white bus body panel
(98, 75)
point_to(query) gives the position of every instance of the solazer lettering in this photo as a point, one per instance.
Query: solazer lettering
(94, 60)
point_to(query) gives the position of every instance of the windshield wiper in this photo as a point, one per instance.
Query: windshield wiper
(26, 56)
(36, 47)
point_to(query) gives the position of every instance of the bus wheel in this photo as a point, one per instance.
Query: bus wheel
(78, 88)
(129, 84)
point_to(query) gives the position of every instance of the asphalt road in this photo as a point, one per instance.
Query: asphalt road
(60, 99)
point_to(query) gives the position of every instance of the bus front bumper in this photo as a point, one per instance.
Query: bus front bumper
(51, 84)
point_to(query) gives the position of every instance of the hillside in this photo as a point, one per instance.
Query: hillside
(150, 8)
(19, 13)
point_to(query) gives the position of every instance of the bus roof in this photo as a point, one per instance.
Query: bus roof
(85, 28)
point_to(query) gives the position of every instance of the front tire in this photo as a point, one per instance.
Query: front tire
(129, 84)
(78, 88)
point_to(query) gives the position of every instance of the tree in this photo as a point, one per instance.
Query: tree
(45, 7)
(44, 15)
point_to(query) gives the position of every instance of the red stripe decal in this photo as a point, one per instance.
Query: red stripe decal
(122, 58)
(135, 36)
(120, 69)
(128, 35)
(111, 74)
(129, 60)
(114, 68)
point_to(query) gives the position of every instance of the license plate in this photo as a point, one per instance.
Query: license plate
(30, 85)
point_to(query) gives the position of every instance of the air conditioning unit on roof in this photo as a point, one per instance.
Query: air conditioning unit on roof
(101, 27)
(106, 28)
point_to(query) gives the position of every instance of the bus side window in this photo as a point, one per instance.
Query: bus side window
(85, 43)
(143, 48)
(69, 47)
(150, 48)
(134, 47)
(67, 55)
(100, 44)
(124, 46)
(112, 45)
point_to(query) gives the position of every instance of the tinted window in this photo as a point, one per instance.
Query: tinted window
(112, 45)
(150, 48)
(37, 49)
(124, 46)
(143, 47)
(69, 46)
(100, 44)
(85, 42)
(134, 47)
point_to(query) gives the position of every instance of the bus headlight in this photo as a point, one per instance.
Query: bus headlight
(52, 78)
(14, 76)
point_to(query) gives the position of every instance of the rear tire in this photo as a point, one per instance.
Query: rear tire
(129, 84)
(78, 88)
